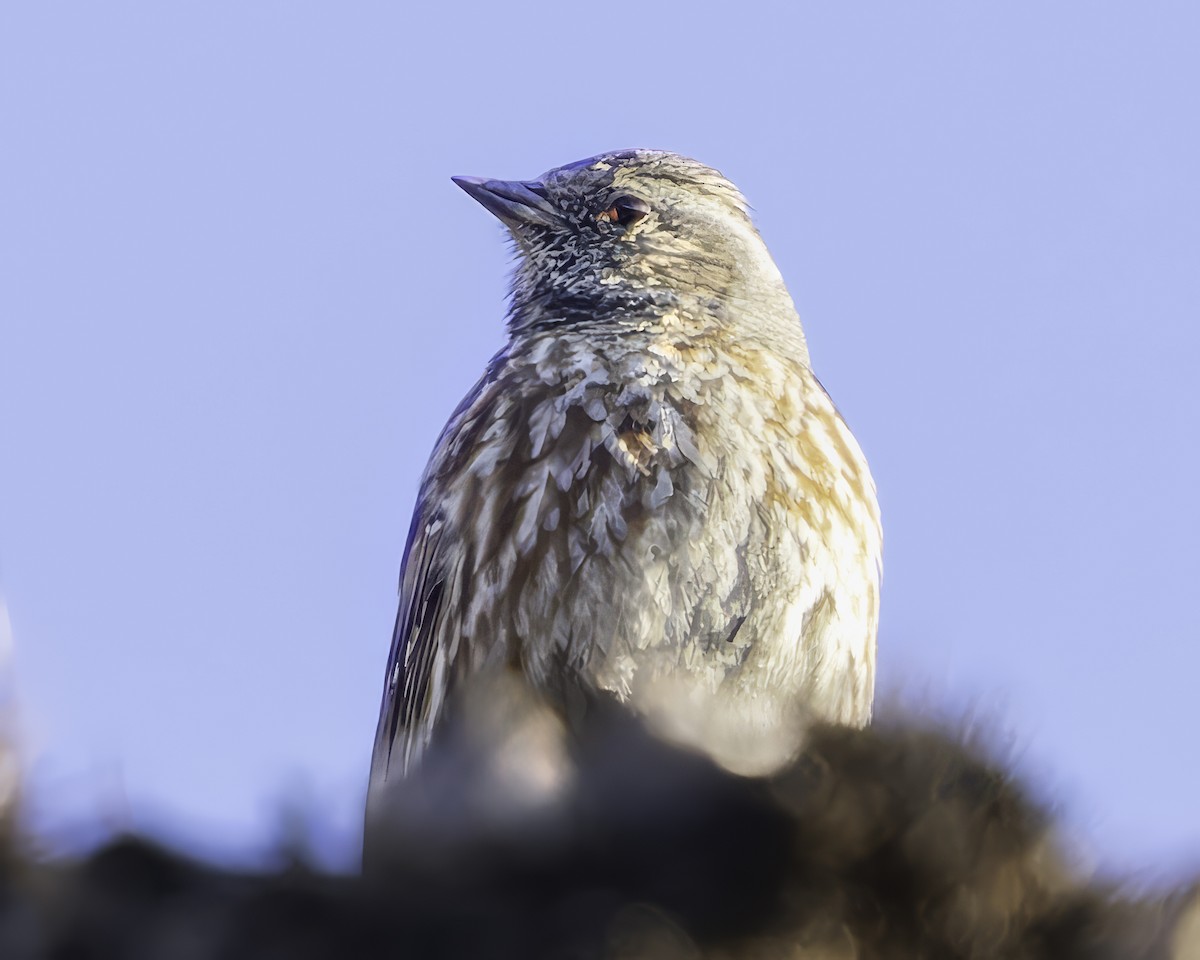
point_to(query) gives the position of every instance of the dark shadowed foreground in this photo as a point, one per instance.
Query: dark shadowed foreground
(889, 843)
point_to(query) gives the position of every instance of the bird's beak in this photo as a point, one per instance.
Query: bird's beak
(517, 202)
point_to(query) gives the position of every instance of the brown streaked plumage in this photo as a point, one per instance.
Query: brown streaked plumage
(648, 492)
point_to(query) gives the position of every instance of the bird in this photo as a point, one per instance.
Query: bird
(647, 494)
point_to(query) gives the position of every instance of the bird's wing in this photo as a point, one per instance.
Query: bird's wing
(424, 656)
(418, 668)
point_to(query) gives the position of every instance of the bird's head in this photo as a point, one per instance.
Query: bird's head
(628, 235)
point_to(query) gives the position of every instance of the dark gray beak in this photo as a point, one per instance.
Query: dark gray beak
(517, 202)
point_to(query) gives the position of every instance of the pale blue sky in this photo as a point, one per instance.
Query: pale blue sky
(239, 296)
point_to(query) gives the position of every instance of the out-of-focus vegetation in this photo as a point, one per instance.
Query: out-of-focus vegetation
(893, 842)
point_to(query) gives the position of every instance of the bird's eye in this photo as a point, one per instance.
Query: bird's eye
(625, 211)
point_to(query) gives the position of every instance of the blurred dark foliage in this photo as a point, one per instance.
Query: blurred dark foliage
(893, 842)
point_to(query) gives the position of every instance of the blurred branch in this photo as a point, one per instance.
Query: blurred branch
(892, 842)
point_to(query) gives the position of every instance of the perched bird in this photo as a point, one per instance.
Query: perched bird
(648, 492)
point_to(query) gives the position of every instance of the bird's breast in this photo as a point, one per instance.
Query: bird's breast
(680, 514)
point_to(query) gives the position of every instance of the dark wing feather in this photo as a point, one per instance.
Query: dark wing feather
(413, 688)
(425, 642)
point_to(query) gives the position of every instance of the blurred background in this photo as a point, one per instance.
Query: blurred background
(239, 296)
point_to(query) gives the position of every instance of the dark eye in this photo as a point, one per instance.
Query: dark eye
(625, 211)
